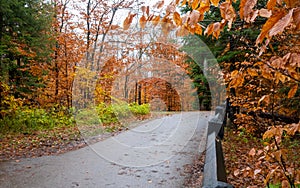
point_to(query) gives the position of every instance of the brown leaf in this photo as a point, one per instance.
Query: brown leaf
(143, 8)
(236, 172)
(194, 17)
(293, 91)
(269, 133)
(292, 3)
(246, 7)
(270, 174)
(252, 152)
(256, 171)
(159, 4)
(227, 13)
(281, 24)
(170, 9)
(265, 13)
(296, 17)
(293, 128)
(217, 30)
(182, 31)
(285, 184)
(148, 10)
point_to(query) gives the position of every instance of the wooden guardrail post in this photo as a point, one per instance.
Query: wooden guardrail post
(214, 168)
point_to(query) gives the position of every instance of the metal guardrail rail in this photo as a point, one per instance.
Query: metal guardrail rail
(214, 175)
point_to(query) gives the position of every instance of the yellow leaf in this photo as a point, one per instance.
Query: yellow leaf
(177, 18)
(293, 91)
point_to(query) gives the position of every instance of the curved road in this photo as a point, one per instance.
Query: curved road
(154, 154)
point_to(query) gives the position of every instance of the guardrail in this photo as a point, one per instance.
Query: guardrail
(214, 175)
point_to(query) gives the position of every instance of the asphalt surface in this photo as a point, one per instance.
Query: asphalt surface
(156, 153)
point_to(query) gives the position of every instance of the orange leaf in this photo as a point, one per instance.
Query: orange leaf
(209, 30)
(195, 4)
(177, 18)
(252, 72)
(198, 29)
(143, 22)
(281, 24)
(293, 91)
(271, 4)
(128, 21)
(215, 2)
(269, 24)
(155, 20)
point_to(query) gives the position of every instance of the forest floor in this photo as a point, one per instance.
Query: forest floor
(239, 163)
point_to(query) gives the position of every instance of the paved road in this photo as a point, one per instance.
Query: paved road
(154, 154)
